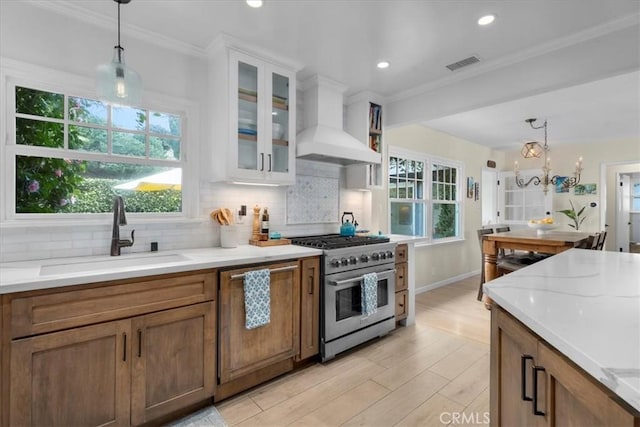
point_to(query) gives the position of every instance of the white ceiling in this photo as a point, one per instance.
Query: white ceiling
(344, 39)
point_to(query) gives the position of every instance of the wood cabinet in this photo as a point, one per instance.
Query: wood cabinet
(402, 282)
(173, 358)
(364, 122)
(309, 308)
(250, 356)
(141, 364)
(533, 384)
(253, 105)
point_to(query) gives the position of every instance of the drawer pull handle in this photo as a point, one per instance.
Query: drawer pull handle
(536, 369)
(124, 346)
(311, 275)
(523, 378)
(139, 342)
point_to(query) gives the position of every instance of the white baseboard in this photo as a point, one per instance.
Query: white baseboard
(446, 282)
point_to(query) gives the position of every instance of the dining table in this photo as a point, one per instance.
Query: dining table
(531, 240)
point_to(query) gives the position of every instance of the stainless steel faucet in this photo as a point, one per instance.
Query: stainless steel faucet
(119, 219)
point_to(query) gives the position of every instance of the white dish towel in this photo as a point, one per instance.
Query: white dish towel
(257, 298)
(369, 291)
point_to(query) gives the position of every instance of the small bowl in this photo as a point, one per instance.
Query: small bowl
(541, 228)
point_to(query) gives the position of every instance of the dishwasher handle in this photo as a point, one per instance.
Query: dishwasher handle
(271, 270)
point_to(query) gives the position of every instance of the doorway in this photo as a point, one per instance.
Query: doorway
(619, 216)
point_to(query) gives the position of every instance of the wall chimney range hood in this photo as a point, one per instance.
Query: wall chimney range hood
(323, 138)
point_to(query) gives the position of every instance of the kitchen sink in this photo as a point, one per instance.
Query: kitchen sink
(109, 263)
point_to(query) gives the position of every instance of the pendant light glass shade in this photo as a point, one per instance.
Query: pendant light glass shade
(118, 84)
(115, 82)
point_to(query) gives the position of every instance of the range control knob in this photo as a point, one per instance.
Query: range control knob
(334, 263)
(353, 260)
(383, 255)
(365, 258)
(389, 254)
(375, 256)
(344, 262)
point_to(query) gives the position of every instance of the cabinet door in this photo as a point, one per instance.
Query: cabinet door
(518, 205)
(569, 396)
(280, 132)
(246, 151)
(513, 353)
(402, 306)
(242, 350)
(309, 308)
(401, 276)
(75, 377)
(173, 357)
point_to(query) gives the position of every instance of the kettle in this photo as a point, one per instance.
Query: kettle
(348, 228)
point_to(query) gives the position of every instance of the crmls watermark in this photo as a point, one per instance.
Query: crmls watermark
(464, 418)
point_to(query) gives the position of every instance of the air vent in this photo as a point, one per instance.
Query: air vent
(463, 63)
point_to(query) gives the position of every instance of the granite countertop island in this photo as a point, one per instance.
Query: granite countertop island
(586, 304)
(57, 272)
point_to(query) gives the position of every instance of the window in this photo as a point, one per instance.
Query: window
(424, 195)
(72, 154)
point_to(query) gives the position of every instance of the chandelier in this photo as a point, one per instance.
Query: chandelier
(534, 149)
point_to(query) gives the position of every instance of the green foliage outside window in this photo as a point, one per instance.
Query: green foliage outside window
(59, 185)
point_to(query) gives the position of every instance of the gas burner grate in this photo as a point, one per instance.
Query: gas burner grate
(336, 241)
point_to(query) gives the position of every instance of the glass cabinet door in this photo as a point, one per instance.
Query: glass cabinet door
(247, 116)
(278, 160)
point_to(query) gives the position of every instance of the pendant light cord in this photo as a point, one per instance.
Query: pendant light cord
(119, 25)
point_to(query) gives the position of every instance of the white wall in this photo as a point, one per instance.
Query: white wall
(439, 262)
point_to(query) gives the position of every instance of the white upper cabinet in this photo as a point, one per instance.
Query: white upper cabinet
(253, 117)
(518, 205)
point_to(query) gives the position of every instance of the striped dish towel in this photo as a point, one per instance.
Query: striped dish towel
(257, 298)
(369, 290)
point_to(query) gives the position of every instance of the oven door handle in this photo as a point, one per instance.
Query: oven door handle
(357, 279)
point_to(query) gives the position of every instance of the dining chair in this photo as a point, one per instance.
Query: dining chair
(602, 238)
(481, 233)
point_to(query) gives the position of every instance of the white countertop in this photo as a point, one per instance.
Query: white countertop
(57, 272)
(401, 238)
(587, 305)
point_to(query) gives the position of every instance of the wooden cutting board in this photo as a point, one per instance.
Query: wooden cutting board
(273, 242)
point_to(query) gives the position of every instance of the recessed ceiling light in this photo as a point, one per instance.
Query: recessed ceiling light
(254, 3)
(383, 64)
(486, 20)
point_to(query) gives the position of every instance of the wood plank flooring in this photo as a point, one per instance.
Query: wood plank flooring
(433, 373)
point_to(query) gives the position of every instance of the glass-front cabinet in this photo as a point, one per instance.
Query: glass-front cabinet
(519, 205)
(262, 117)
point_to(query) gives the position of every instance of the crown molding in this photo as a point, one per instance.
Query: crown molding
(223, 40)
(533, 52)
(69, 8)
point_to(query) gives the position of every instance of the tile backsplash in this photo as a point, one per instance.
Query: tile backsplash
(23, 243)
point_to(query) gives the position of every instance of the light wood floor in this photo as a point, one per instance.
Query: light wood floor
(422, 375)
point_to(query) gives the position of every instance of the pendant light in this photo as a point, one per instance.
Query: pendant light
(115, 82)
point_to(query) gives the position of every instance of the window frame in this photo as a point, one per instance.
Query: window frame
(427, 201)
(15, 73)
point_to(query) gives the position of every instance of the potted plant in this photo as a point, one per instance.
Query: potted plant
(575, 216)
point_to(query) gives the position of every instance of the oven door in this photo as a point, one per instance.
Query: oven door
(342, 301)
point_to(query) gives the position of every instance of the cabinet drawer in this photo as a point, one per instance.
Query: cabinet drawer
(402, 308)
(401, 276)
(402, 254)
(46, 311)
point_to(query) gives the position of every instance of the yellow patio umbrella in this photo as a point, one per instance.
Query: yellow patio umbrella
(167, 180)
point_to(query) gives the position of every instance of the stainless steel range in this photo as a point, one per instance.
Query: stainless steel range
(346, 259)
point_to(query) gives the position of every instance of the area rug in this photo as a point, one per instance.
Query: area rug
(209, 417)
